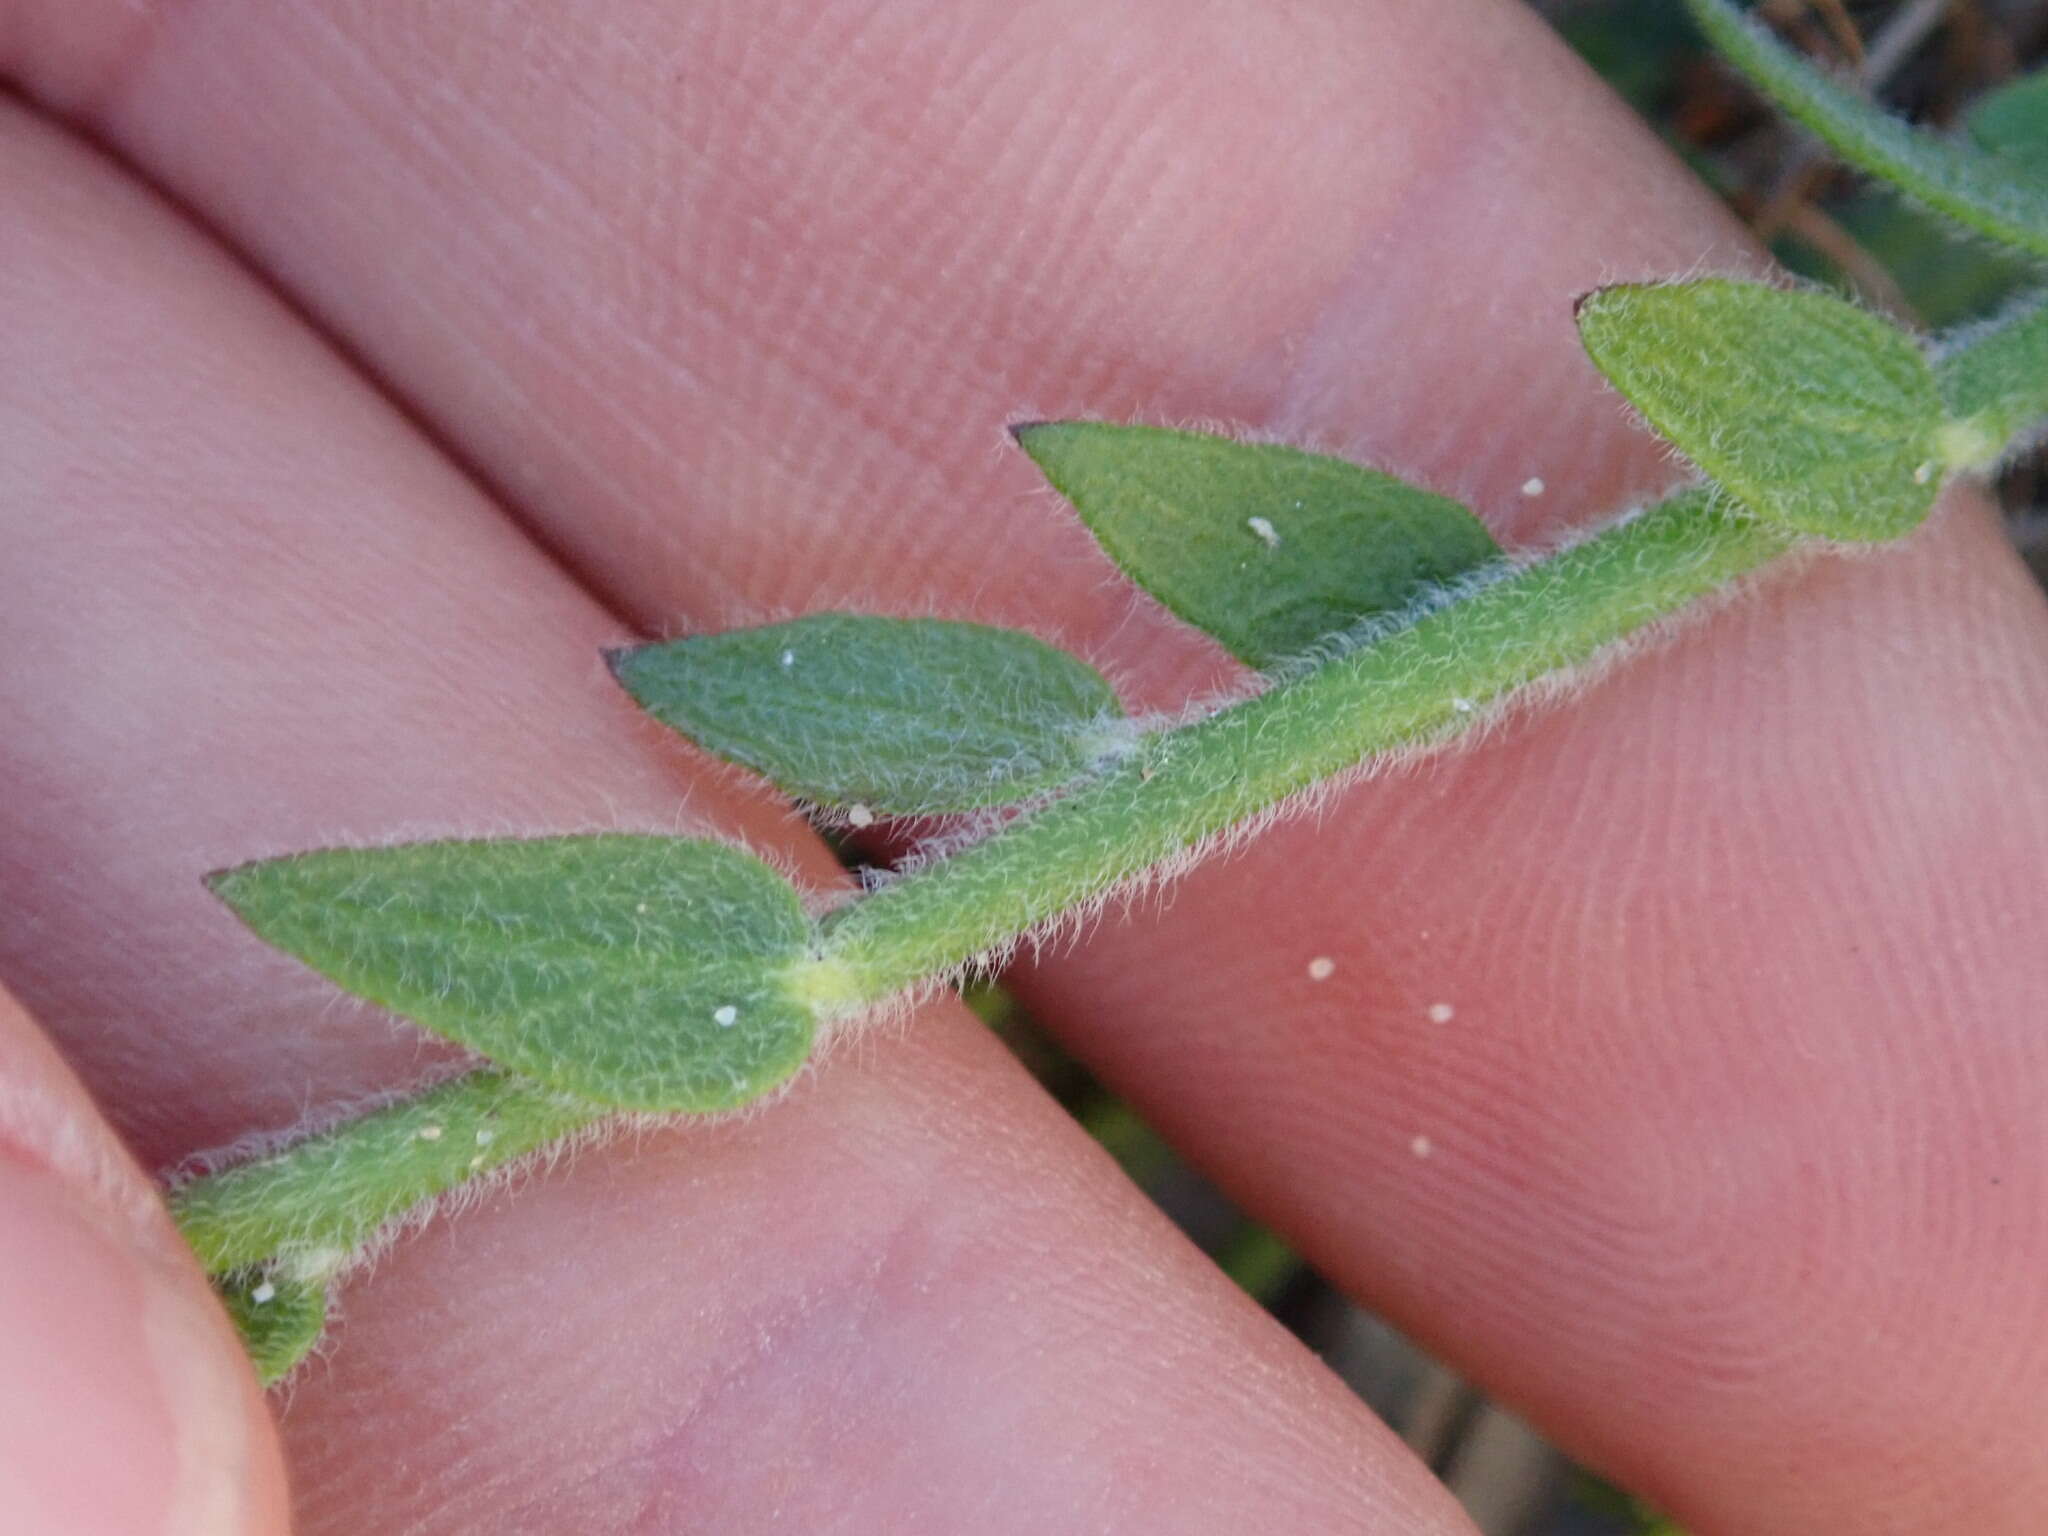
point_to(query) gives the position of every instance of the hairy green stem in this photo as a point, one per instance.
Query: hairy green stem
(1422, 684)
(1973, 187)
(304, 1212)
(312, 1206)
(274, 1231)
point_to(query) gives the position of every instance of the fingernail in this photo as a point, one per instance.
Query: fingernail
(120, 1410)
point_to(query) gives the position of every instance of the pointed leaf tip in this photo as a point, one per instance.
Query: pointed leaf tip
(1267, 548)
(636, 972)
(1807, 410)
(280, 1319)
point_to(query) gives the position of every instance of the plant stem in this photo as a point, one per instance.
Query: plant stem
(1971, 186)
(306, 1211)
(275, 1230)
(1423, 684)
(315, 1204)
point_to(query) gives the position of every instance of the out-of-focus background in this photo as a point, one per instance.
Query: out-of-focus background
(1930, 60)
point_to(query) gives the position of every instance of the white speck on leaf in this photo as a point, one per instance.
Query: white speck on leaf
(860, 815)
(430, 1133)
(1441, 1013)
(486, 1136)
(264, 1292)
(1533, 486)
(1923, 474)
(1322, 968)
(788, 659)
(1463, 706)
(1268, 534)
(1422, 1146)
(726, 1017)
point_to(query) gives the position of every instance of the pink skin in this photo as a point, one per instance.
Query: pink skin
(123, 1406)
(913, 1293)
(1735, 1177)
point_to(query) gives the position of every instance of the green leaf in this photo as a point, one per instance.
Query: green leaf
(1423, 684)
(1807, 410)
(1987, 193)
(280, 1319)
(2013, 120)
(649, 973)
(1266, 548)
(895, 716)
(1995, 385)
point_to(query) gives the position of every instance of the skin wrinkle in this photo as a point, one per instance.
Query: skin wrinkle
(879, 1273)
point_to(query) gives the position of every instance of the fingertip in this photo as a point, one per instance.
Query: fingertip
(122, 1406)
(125, 1403)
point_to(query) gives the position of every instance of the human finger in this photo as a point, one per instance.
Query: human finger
(1736, 1014)
(255, 611)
